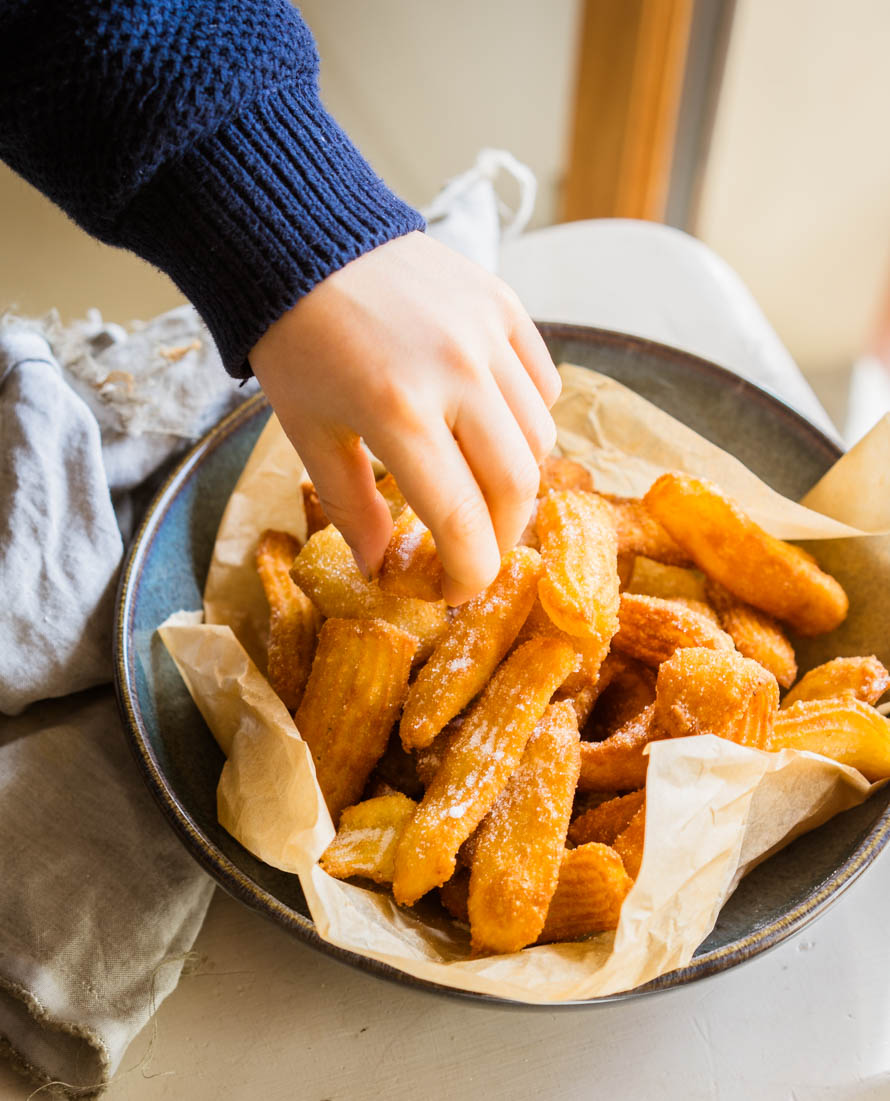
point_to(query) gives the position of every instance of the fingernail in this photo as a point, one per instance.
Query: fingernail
(363, 568)
(454, 593)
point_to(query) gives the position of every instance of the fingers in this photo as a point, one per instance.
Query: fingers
(500, 457)
(532, 352)
(344, 480)
(526, 405)
(463, 436)
(473, 482)
(437, 481)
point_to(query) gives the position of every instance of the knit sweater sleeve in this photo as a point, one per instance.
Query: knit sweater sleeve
(192, 133)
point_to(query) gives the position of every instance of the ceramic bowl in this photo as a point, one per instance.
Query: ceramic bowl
(181, 763)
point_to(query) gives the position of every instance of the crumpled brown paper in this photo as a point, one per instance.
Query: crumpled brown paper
(713, 808)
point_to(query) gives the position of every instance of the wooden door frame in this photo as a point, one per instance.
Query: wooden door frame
(630, 85)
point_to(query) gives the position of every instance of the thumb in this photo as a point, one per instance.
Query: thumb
(343, 477)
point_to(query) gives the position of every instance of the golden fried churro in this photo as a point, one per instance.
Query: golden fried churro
(583, 691)
(455, 895)
(479, 634)
(560, 473)
(625, 566)
(583, 700)
(326, 571)
(630, 691)
(756, 567)
(865, 678)
(702, 691)
(428, 760)
(411, 565)
(651, 578)
(605, 822)
(640, 533)
(293, 619)
(316, 519)
(367, 837)
(756, 635)
(618, 763)
(529, 536)
(629, 843)
(579, 589)
(702, 607)
(651, 629)
(591, 650)
(520, 842)
(591, 889)
(843, 728)
(358, 683)
(390, 492)
(377, 786)
(477, 763)
(397, 769)
(538, 623)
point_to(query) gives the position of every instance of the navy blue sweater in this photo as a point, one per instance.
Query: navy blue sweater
(191, 132)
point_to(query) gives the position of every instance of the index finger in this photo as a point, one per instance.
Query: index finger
(445, 495)
(529, 346)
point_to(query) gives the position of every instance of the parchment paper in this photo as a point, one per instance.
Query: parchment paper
(713, 810)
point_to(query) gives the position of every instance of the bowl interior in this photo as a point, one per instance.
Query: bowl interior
(181, 762)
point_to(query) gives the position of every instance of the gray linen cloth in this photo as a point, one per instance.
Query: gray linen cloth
(100, 903)
(61, 546)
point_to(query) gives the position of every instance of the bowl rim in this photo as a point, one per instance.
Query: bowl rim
(237, 883)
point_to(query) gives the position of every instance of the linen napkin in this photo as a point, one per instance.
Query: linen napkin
(61, 546)
(100, 901)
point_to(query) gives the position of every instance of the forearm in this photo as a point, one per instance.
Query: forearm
(192, 133)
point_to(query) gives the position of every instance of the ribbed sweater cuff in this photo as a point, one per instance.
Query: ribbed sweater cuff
(257, 214)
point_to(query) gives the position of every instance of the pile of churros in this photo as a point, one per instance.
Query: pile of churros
(496, 753)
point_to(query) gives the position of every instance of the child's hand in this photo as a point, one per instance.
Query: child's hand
(436, 365)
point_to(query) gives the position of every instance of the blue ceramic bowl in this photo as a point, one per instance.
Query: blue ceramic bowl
(181, 763)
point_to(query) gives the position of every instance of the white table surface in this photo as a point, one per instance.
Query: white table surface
(260, 1015)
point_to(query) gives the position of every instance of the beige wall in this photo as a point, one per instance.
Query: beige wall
(46, 261)
(421, 86)
(796, 195)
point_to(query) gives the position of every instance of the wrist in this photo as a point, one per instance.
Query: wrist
(256, 215)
